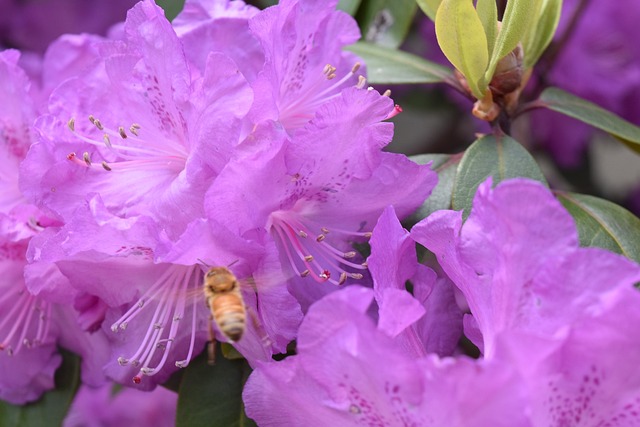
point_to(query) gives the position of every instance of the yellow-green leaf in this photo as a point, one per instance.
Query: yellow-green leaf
(462, 39)
(563, 102)
(517, 18)
(391, 66)
(488, 13)
(429, 7)
(540, 35)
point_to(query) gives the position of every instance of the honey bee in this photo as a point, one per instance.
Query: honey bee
(224, 299)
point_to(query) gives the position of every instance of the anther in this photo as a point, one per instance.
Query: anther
(86, 158)
(147, 371)
(182, 364)
(305, 273)
(123, 325)
(365, 264)
(356, 276)
(308, 258)
(122, 361)
(122, 133)
(343, 278)
(320, 238)
(134, 128)
(106, 166)
(362, 82)
(387, 93)
(302, 234)
(367, 234)
(355, 67)
(324, 230)
(96, 122)
(350, 254)
(107, 140)
(72, 124)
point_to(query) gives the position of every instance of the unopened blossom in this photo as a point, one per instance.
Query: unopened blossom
(435, 321)
(348, 372)
(518, 262)
(136, 129)
(108, 406)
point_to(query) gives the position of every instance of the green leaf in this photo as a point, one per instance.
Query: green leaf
(604, 224)
(445, 165)
(462, 39)
(391, 66)
(429, 7)
(501, 158)
(52, 407)
(386, 22)
(349, 6)
(212, 395)
(488, 14)
(171, 7)
(516, 21)
(536, 40)
(563, 102)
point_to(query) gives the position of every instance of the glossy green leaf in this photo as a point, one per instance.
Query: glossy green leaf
(518, 16)
(212, 395)
(501, 158)
(349, 6)
(538, 37)
(462, 39)
(445, 165)
(386, 22)
(52, 407)
(488, 14)
(391, 66)
(429, 7)
(563, 102)
(604, 224)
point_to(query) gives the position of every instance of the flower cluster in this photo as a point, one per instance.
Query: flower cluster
(136, 162)
(554, 324)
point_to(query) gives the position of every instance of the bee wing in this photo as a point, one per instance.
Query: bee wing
(264, 281)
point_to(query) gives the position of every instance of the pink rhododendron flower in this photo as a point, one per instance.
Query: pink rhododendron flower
(106, 407)
(32, 324)
(349, 373)
(543, 365)
(310, 196)
(140, 132)
(305, 64)
(434, 318)
(508, 258)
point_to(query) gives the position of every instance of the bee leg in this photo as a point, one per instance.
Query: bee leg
(211, 345)
(266, 341)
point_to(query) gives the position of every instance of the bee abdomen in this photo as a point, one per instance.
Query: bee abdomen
(230, 316)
